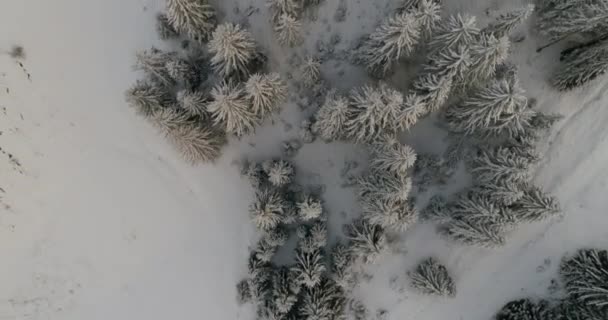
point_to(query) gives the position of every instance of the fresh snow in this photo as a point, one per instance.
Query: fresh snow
(101, 219)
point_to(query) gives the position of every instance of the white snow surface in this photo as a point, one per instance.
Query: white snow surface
(101, 219)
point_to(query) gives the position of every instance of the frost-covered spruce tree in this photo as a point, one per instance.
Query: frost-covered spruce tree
(233, 49)
(534, 205)
(230, 109)
(268, 209)
(383, 185)
(330, 120)
(373, 111)
(582, 66)
(437, 210)
(393, 157)
(395, 39)
(412, 110)
(280, 173)
(489, 234)
(183, 72)
(523, 309)
(560, 20)
(586, 277)
(195, 18)
(368, 240)
(454, 32)
(500, 192)
(342, 267)
(309, 208)
(476, 208)
(507, 22)
(289, 30)
(431, 277)
(194, 140)
(281, 7)
(146, 97)
(285, 290)
(428, 13)
(501, 164)
(396, 215)
(499, 108)
(432, 92)
(266, 92)
(311, 71)
(486, 54)
(309, 268)
(194, 102)
(325, 301)
(453, 63)
(164, 28)
(571, 309)
(154, 63)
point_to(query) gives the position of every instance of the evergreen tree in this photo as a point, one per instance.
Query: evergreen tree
(153, 62)
(428, 13)
(309, 208)
(268, 209)
(414, 108)
(311, 71)
(324, 302)
(280, 173)
(266, 92)
(390, 214)
(231, 110)
(501, 164)
(498, 108)
(242, 291)
(195, 18)
(195, 141)
(183, 72)
(431, 277)
(368, 241)
(309, 268)
(486, 54)
(164, 28)
(393, 157)
(146, 97)
(342, 267)
(565, 18)
(281, 7)
(437, 210)
(395, 39)
(433, 90)
(500, 192)
(276, 237)
(507, 22)
(380, 185)
(289, 30)
(331, 118)
(454, 32)
(534, 205)
(254, 173)
(265, 250)
(586, 277)
(285, 290)
(582, 66)
(373, 111)
(453, 63)
(318, 234)
(475, 233)
(306, 132)
(574, 310)
(233, 50)
(523, 309)
(194, 102)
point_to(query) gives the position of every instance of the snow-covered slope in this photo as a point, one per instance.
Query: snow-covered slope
(101, 219)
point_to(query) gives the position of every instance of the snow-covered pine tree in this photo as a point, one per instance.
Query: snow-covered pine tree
(500, 192)
(500, 107)
(571, 309)
(259, 280)
(164, 28)
(486, 54)
(373, 111)
(468, 232)
(382, 185)
(523, 309)
(586, 277)
(428, 13)
(276, 237)
(265, 251)
(414, 108)
(433, 90)
(289, 30)
(393, 157)
(242, 291)
(281, 7)
(153, 63)
(268, 209)
(396, 215)
(311, 71)
(305, 133)
(567, 18)
(147, 97)
(453, 63)
(342, 267)
(507, 22)
(330, 120)
(475, 208)
(582, 66)
(230, 109)
(395, 39)
(437, 210)
(534, 205)
(194, 102)
(280, 173)
(183, 72)
(325, 301)
(431, 277)
(454, 32)
(233, 49)
(195, 18)
(194, 140)
(501, 164)
(285, 290)
(368, 240)
(309, 268)
(309, 208)
(266, 92)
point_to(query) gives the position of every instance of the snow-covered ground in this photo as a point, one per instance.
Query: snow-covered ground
(100, 219)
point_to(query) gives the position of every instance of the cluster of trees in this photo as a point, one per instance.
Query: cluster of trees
(215, 88)
(315, 284)
(585, 278)
(585, 22)
(285, 16)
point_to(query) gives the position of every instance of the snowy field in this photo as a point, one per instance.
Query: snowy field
(100, 219)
